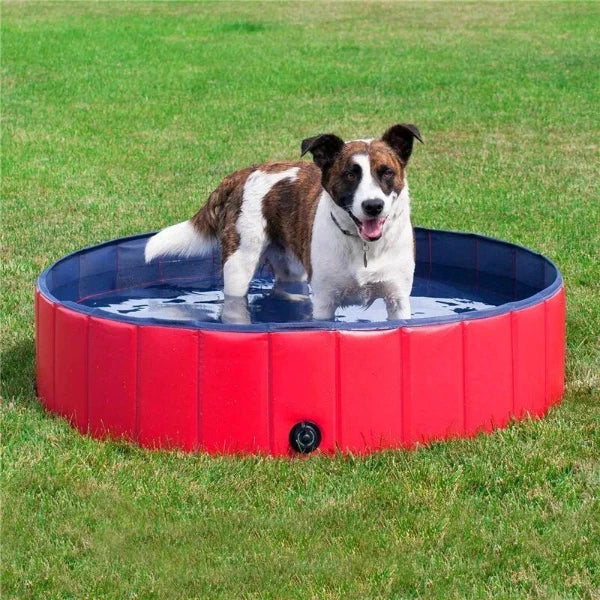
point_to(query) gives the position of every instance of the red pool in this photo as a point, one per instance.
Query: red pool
(136, 351)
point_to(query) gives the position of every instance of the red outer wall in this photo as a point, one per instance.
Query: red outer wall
(230, 392)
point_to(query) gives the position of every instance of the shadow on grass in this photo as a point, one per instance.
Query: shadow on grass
(18, 372)
(242, 27)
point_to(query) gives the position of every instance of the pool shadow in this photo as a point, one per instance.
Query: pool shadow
(18, 372)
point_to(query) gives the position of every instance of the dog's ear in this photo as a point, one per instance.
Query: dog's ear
(324, 148)
(400, 139)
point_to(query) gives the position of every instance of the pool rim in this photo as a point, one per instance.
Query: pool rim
(314, 325)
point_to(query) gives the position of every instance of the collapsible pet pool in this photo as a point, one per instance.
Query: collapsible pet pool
(126, 349)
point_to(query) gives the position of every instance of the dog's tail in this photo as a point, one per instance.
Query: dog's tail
(183, 239)
(199, 235)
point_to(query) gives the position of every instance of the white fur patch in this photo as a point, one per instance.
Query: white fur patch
(182, 239)
(251, 225)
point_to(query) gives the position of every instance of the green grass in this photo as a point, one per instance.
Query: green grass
(120, 118)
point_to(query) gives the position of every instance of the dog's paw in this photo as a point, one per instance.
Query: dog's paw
(235, 311)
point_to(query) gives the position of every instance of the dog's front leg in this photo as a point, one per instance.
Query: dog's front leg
(323, 307)
(398, 307)
(235, 310)
(323, 301)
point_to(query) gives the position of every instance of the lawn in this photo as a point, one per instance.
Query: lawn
(120, 118)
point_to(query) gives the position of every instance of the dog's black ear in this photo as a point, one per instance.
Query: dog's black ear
(400, 139)
(324, 148)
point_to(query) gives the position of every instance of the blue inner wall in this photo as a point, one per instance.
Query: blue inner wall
(521, 276)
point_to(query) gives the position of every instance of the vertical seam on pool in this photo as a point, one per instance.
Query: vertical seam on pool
(464, 375)
(546, 391)
(563, 326)
(138, 415)
(116, 264)
(405, 358)
(401, 399)
(87, 373)
(430, 257)
(514, 278)
(338, 393)
(546, 364)
(80, 279)
(57, 408)
(269, 393)
(53, 399)
(512, 362)
(476, 263)
(200, 376)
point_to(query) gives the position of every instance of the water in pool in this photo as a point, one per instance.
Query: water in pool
(189, 302)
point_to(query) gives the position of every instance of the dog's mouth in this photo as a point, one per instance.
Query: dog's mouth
(369, 230)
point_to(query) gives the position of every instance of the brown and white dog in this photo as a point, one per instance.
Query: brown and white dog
(341, 222)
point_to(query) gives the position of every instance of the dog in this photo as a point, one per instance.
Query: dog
(341, 222)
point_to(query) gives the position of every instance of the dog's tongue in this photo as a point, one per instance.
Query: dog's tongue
(372, 228)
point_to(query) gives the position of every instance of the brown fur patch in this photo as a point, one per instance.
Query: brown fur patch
(279, 167)
(380, 156)
(289, 209)
(219, 215)
(333, 180)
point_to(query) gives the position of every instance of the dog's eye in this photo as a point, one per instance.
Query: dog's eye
(386, 173)
(350, 176)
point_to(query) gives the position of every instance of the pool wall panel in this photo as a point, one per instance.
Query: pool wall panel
(112, 378)
(455, 255)
(433, 382)
(488, 373)
(371, 413)
(45, 345)
(303, 385)
(131, 270)
(530, 273)
(529, 364)
(97, 271)
(66, 277)
(70, 372)
(234, 392)
(167, 385)
(555, 346)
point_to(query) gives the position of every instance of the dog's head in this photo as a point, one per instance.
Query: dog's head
(364, 177)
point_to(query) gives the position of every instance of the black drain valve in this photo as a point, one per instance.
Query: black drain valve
(305, 437)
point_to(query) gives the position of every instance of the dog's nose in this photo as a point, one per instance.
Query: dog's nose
(372, 208)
